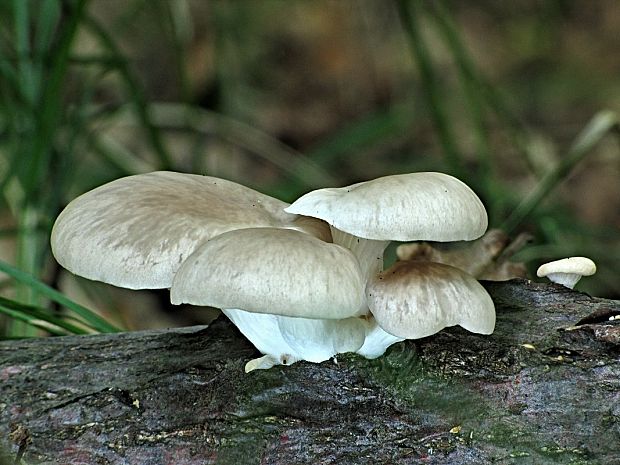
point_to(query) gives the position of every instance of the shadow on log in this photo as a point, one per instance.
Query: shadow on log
(544, 388)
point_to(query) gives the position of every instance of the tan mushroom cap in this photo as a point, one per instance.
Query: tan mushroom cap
(276, 271)
(404, 207)
(136, 231)
(414, 299)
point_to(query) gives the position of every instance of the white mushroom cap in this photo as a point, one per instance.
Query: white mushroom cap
(277, 271)
(414, 299)
(567, 271)
(136, 231)
(405, 207)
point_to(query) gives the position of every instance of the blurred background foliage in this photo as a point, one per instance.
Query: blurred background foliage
(519, 99)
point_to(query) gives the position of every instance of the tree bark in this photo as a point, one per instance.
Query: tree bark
(544, 388)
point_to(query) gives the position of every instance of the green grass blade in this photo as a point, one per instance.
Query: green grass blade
(94, 320)
(600, 125)
(175, 20)
(29, 314)
(31, 322)
(48, 15)
(22, 47)
(50, 103)
(117, 156)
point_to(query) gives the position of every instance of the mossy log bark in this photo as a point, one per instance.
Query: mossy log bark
(544, 388)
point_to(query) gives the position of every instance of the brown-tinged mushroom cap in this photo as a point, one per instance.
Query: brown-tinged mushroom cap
(567, 271)
(276, 271)
(405, 207)
(136, 231)
(414, 299)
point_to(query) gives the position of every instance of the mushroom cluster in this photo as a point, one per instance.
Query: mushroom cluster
(303, 281)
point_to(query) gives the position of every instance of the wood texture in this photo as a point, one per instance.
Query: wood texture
(544, 388)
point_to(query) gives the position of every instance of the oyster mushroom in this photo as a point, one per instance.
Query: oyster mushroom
(567, 271)
(366, 216)
(136, 231)
(292, 295)
(415, 299)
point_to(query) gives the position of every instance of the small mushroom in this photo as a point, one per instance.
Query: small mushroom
(567, 271)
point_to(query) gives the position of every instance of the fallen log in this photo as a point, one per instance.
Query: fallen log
(544, 388)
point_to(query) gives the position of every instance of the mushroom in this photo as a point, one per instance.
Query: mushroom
(294, 296)
(401, 207)
(567, 271)
(285, 340)
(414, 299)
(136, 231)
(276, 271)
(366, 216)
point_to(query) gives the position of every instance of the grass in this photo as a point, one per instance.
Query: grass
(88, 317)
(59, 137)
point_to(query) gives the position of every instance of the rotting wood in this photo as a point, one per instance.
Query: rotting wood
(544, 388)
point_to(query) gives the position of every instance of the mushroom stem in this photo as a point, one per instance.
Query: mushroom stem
(567, 271)
(262, 363)
(368, 252)
(377, 340)
(286, 340)
(263, 330)
(565, 279)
